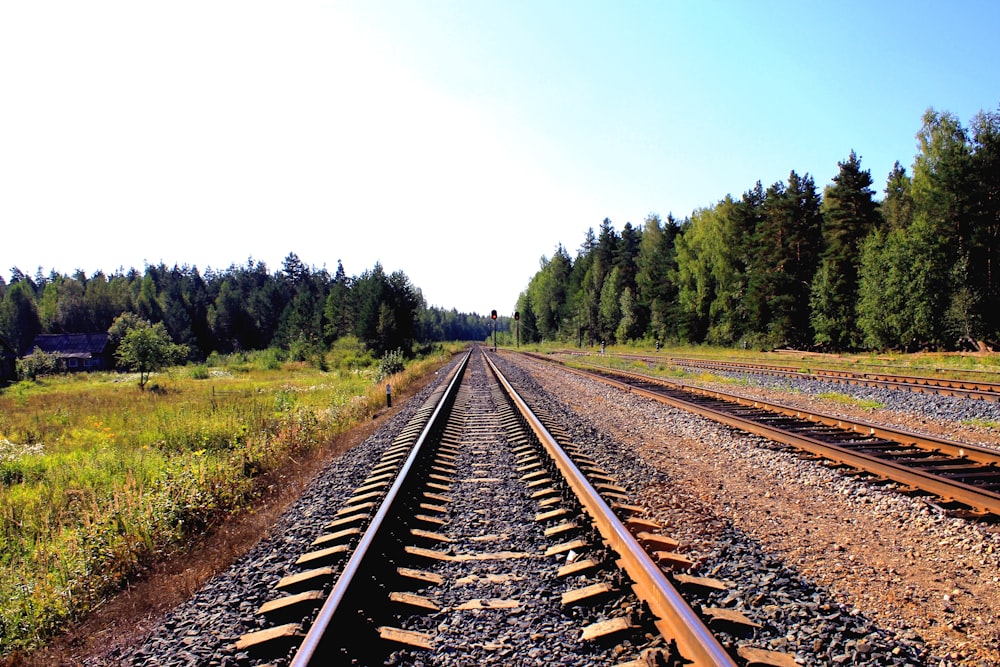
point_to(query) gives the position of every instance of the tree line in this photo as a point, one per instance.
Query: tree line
(298, 308)
(788, 266)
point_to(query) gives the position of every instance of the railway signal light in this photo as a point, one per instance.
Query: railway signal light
(493, 316)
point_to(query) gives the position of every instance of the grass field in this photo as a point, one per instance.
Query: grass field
(99, 479)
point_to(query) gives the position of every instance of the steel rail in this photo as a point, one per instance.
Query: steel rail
(676, 619)
(973, 452)
(314, 637)
(974, 389)
(980, 499)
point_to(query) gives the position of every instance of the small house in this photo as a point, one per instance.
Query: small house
(78, 351)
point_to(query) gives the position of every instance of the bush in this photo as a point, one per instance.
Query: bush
(265, 360)
(37, 364)
(198, 372)
(348, 354)
(390, 364)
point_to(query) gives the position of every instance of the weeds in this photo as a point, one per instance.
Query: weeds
(844, 399)
(981, 423)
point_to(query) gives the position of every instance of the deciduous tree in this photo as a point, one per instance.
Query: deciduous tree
(146, 348)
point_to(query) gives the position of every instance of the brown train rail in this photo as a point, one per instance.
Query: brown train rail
(407, 463)
(975, 389)
(964, 476)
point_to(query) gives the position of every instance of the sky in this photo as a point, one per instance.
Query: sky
(460, 142)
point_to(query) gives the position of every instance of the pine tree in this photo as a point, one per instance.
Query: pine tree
(849, 214)
(984, 246)
(337, 312)
(786, 244)
(897, 205)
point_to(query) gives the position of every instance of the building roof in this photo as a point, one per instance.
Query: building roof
(82, 345)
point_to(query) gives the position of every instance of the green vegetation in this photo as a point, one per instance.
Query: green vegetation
(146, 347)
(982, 423)
(845, 399)
(300, 310)
(99, 479)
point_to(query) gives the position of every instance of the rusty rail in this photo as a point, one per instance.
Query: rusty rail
(676, 619)
(314, 636)
(974, 389)
(981, 500)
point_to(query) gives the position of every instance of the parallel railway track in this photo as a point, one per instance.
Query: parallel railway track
(964, 477)
(382, 584)
(962, 388)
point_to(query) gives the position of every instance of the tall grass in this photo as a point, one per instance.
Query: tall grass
(98, 479)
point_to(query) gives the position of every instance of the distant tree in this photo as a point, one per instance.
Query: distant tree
(146, 348)
(528, 323)
(104, 300)
(656, 292)
(265, 300)
(226, 317)
(714, 262)
(894, 310)
(983, 264)
(338, 311)
(549, 291)
(941, 232)
(786, 246)
(897, 205)
(174, 311)
(629, 324)
(48, 306)
(610, 311)
(147, 303)
(626, 254)
(884, 271)
(19, 323)
(849, 215)
(295, 270)
(582, 302)
(387, 310)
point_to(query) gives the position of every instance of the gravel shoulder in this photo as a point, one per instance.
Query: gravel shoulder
(932, 578)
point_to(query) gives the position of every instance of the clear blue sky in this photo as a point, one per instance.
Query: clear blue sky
(456, 141)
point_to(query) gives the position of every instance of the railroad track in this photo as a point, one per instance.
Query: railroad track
(965, 478)
(974, 389)
(479, 514)
(959, 387)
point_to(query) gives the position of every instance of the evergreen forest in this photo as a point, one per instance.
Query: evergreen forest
(299, 309)
(790, 266)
